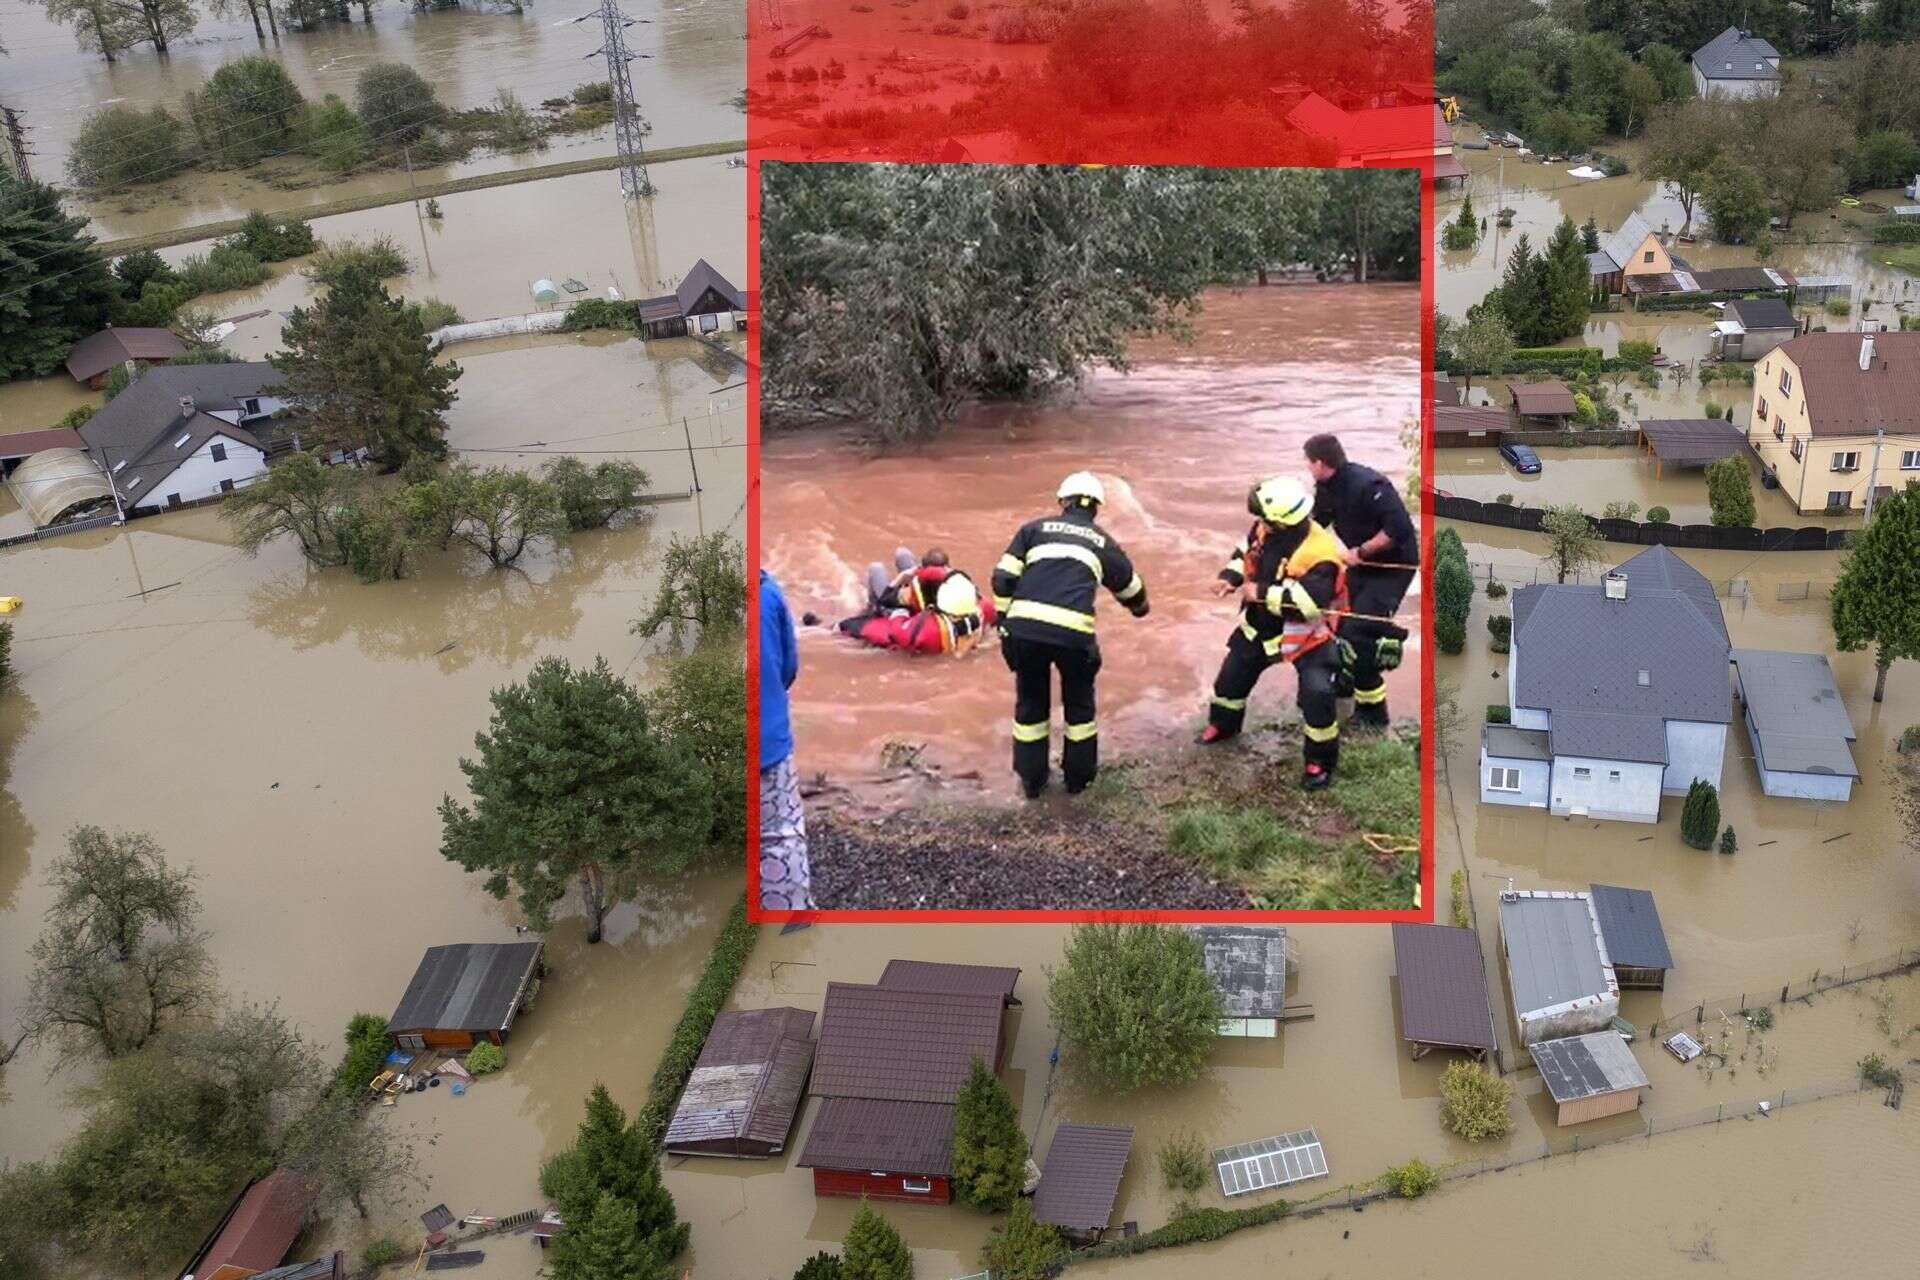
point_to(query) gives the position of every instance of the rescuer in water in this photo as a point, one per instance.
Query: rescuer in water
(910, 586)
(1044, 587)
(958, 616)
(1291, 575)
(1365, 512)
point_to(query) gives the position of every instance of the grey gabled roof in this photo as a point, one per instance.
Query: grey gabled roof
(1601, 263)
(1746, 52)
(1586, 1066)
(1630, 923)
(1800, 724)
(139, 425)
(701, 278)
(469, 986)
(1553, 950)
(1249, 961)
(1762, 313)
(1577, 651)
(1620, 243)
(1602, 735)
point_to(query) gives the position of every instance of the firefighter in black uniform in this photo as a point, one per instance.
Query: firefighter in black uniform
(1292, 582)
(1044, 589)
(1364, 509)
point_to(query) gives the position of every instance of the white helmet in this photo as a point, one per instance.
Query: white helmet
(1281, 500)
(1082, 484)
(957, 596)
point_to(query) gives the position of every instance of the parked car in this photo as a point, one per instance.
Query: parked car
(1523, 458)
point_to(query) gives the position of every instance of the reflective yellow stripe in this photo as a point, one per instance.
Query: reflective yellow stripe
(1271, 644)
(1327, 734)
(1370, 697)
(1071, 619)
(1276, 597)
(1231, 704)
(1131, 590)
(1011, 565)
(1081, 732)
(1000, 604)
(1029, 732)
(1065, 551)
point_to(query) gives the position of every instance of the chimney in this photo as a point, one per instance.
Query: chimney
(1615, 585)
(1866, 352)
(187, 407)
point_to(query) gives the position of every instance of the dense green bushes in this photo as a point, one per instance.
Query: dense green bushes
(600, 313)
(396, 103)
(249, 109)
(1700, 815)
(486, 1058)
(1475, 1103)
(1193, 1227)
(120, 145)
(366, 1049)
(379, 257)
(1411, 1180)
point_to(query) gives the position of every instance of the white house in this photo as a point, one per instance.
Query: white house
(1618, 693)
(1736, 64)
(1802, 736)
(180, 433)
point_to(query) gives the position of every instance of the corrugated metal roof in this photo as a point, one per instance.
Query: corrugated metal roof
(1621, 243)
(881, 1135)
(1762, 313)
(1692, 441)
(1800, 722)
(1080, 1179)
(908, 1046)
(1587, 1066)
(1443, 986)
(1249, 961)
(24, 444)
(1630, 923)
(1553, 953)
(747, 1082)
(469, 986)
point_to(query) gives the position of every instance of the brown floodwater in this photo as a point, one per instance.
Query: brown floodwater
(694, 65)
(1176, 442)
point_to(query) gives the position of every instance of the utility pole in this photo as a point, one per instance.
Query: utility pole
(1873, 476)
(629, 126)
(16, 142)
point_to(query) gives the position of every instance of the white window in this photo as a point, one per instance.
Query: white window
(1581, 771)
(1910, 459)
(119, 466)
(1795, 448)
(1846, 459)
(1786, 382)
(1839, 499)
(1760, 410)
(919, 1186)
(253, 407)
(1613, 775)
(1500, 778)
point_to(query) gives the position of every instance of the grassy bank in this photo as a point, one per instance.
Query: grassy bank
(379, 199)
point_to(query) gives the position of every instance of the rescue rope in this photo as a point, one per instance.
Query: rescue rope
(1390, 846)
(1382, 564)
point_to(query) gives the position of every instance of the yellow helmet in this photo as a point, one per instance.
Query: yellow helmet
(1281, 500)
(957, 597)
(1082, 484)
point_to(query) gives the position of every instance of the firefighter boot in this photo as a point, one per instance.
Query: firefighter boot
(1321, 755)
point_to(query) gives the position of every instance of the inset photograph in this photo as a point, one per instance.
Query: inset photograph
(1090, 556)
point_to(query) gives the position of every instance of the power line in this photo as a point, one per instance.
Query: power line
(16, 143)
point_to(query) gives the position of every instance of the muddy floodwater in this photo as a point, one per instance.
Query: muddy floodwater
(692, 66)
(1176, 442)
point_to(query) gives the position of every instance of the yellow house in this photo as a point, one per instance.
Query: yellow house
(1818, 401)
(1633, 250)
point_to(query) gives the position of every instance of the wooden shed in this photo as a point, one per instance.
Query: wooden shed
(1637, 945)
(1590, 1076)
(1444, 1001)
(746, 1087)
(257, 1230)
(465, 993)
(1543, 406)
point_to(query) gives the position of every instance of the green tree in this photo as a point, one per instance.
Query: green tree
(989, 1150)
(574, 782)
(1735, 199)
(1670, 71)
(821, 1266)
(606, 1244)
(1885, 158)
(110, 890)
(1640, 92)
(1684, 140)
(702, 706)
(249, 108)
(1799, 159)
(1463, 232)
(119, 146)
(703, 583)
(1573, 543)
(1475, 1103)
(57, 288)
(873, 1249)
(609, 1156)
(1729, 843)
(358, 364)
(1485, 345)
(1022, 1247)
(1876, 600)
(1590, 235)
(331, 133)
(500, 510)
(349, 1159)
(1452, 591)
(396, 103)
(1136, 1004)
(1523, 296)
(1700, 815)
(299, 497)
(593, 497)
(1569, 283)
(1730, 493)
(106, 27)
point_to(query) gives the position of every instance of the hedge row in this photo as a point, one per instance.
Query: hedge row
(1564, 360)
(1897, 233)
(1698, 301)
(1193, 1228)
(366, 1052)
(709, 996)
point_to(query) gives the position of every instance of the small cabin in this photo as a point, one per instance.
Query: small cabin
(1249, 963)
(466, 993)
(1590, 1077)
(258, 1230)
(1637, 945)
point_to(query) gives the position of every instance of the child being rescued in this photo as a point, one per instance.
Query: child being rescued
(923, 607)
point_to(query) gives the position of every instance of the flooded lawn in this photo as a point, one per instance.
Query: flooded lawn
(1176, 442)
(695, 67)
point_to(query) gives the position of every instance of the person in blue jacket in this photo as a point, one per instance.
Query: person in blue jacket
(786, 879)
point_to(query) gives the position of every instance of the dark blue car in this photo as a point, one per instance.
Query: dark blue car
(1523, 458)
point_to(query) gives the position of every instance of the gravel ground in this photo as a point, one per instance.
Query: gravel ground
(994, 859)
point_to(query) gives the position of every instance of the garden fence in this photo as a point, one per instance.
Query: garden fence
(1704, 537)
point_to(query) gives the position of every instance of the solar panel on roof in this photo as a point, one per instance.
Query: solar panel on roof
(1270, 1162)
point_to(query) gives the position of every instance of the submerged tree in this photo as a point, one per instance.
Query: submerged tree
(109, 890)
(1876, 601)
(335, 1147)
(989, 1151)
(1573, 543)
(500, 510)
(702, 704)
(576, 783)
(593, 497)
(703, 583)
(1136, 1003)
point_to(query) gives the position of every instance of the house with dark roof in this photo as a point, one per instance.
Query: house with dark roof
(1801, 733)
(1633, 259)
(1617, 691)
(1558, 969)
(465, 993)
(888, 1069)
(94, 357)
(1636, 944)
(746, 1086)
(1080, 1179)
(180, 433)
(704, 302)
(1736, 64)
(1818, 402)
(1751, 327)
(259, 1227)
(1443, 989)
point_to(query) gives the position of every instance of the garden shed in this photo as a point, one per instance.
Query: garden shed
(1557, 964)
(1590, 1076)
(1443, 989)
(1250, 964)
(466, 993)
(746, 1085)
(1636, 944)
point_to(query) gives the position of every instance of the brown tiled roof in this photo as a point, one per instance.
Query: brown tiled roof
(1542, 398)
(927, 975)
(906, 1046)
(259, 1229)
(1443, 986)
(1449, 417)
(1844, 400)
(894, 1137)
(27, 443)
(1081, 1177)
(101, 351)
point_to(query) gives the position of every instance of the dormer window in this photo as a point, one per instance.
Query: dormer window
(1645, 678)
(119, 466)
(183, 439)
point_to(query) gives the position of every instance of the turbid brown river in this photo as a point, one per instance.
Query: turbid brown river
(1177, 442)
(691, 69)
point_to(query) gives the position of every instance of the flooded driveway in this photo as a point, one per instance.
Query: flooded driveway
(1176, 442)
(694, 66)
